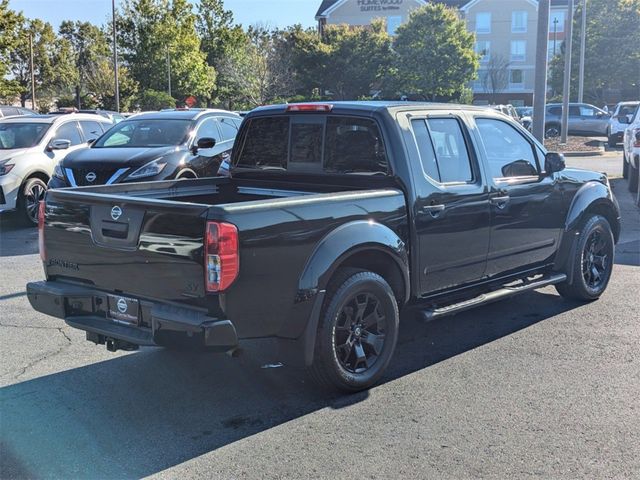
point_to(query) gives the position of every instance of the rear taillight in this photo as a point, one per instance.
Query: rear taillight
(221, 258)
(43, 252)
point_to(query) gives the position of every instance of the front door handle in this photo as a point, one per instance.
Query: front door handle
(434, 210)
(500, 202)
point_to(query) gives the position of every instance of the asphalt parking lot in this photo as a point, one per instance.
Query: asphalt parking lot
(534, 386)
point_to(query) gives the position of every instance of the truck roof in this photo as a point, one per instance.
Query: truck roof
(370, 106)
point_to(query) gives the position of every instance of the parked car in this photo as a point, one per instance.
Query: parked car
(114, 117)
(631, 149)
(337, 216)
(526, 116)
(584, 120)
(619, 121)
(11, 111)
(30, 148)
(510, 111)
(162, 145)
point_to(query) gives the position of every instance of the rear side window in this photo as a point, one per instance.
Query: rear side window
(90, 130)
(556, 111)
(443, 151)
(316, 143)
(229, 128)
(69, 131)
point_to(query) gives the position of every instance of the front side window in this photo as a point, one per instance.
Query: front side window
(145, 133)
(508, 153)
(587, 111)
(518, 50)
(69, 131)
(519, 22)
(319, 143)
(21, 135)
(443, 151)
(483, 22)
(208, 129)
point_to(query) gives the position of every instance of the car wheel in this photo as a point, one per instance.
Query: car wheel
(552, 131)
(592, 261)
(633, 177)
(29, 198)
(357, 333)
(625, 166)
(612, 141)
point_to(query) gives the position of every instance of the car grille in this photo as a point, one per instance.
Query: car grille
(101, 176)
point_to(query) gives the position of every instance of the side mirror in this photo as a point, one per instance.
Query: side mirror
(59, 144)
(203, 143)
(553, 162)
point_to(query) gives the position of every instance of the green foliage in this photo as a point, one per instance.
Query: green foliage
(154, 100)
(154, 32)
(612, 53)
(11, 23)
(435, 55)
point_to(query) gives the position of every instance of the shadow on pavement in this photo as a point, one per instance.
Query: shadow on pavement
(144, 412)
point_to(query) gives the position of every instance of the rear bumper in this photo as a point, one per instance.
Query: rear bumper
(85, 308)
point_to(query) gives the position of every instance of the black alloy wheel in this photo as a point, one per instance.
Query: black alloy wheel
(33, 192)
(595, 260)
(359, 334)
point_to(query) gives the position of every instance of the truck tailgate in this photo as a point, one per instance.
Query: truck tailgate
(157, 245)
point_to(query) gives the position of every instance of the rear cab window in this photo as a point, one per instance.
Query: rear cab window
(313, 143)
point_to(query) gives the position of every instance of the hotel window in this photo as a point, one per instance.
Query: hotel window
(483, 48)
(519, 22)
(392, 24)
(483, 22)
(518, 50)
(516, 78)
(556, 21)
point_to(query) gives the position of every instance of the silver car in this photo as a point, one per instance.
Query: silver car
(584, 120)
(30, 148)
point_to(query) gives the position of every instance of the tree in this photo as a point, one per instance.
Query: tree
(435, 57)
(154, 100)
(157, 32)
(11, 27)
(611, 24)
(495, 77)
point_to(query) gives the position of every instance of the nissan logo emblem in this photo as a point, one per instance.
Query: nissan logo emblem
(122, 305)
(116, 212)
(91, 177)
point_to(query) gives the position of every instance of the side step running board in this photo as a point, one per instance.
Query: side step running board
(504, 292)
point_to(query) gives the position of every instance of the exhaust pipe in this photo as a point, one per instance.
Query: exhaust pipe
(114, 345)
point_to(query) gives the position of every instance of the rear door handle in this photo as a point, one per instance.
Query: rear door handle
(434, 210)
(500, 202)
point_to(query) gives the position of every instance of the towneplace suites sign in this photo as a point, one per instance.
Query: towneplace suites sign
(379, 5)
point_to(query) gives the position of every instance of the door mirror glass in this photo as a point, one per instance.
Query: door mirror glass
(553, 162)
(206, 142)
(59, 144)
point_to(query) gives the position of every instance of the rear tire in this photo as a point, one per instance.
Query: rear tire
(592, 262)
(551, 130)
(357, 332)
(31, 193)
(625, 167)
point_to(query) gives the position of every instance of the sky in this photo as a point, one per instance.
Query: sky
(274, 13)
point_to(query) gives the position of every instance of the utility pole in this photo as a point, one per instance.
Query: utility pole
(540, 86)
(567, 76)
(555, 34)
(33, 73)
(583, 37)
(169, 71)
(115, 55)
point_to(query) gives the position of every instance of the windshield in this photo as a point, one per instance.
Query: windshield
(145, 133)
(21, 135)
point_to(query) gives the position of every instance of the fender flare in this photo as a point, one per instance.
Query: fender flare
(343, 242)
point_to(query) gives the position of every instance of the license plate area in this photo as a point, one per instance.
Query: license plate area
(123, 310)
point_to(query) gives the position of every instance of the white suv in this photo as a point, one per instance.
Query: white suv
(631, 151)
(30, 148)
(618, 122)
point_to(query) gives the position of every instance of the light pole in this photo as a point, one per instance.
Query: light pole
(115, 55)
(567, 77)
(169, 71)
(555, 34)
(540, 85)
(583, 37)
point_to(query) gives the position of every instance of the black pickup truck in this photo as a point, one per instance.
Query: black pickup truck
(336, 217)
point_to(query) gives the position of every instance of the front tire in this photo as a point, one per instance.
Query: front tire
(357, 333)
(29, 198)
(592, 261)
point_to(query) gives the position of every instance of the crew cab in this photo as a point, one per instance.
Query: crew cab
(336, 217)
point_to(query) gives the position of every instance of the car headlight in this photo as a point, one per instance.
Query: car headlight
(5, 167)
(149, 170)
(57, 172)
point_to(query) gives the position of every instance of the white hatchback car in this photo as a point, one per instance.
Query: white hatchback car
(618, 122)
(30, 148)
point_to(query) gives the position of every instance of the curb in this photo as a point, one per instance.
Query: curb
(592, 153)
